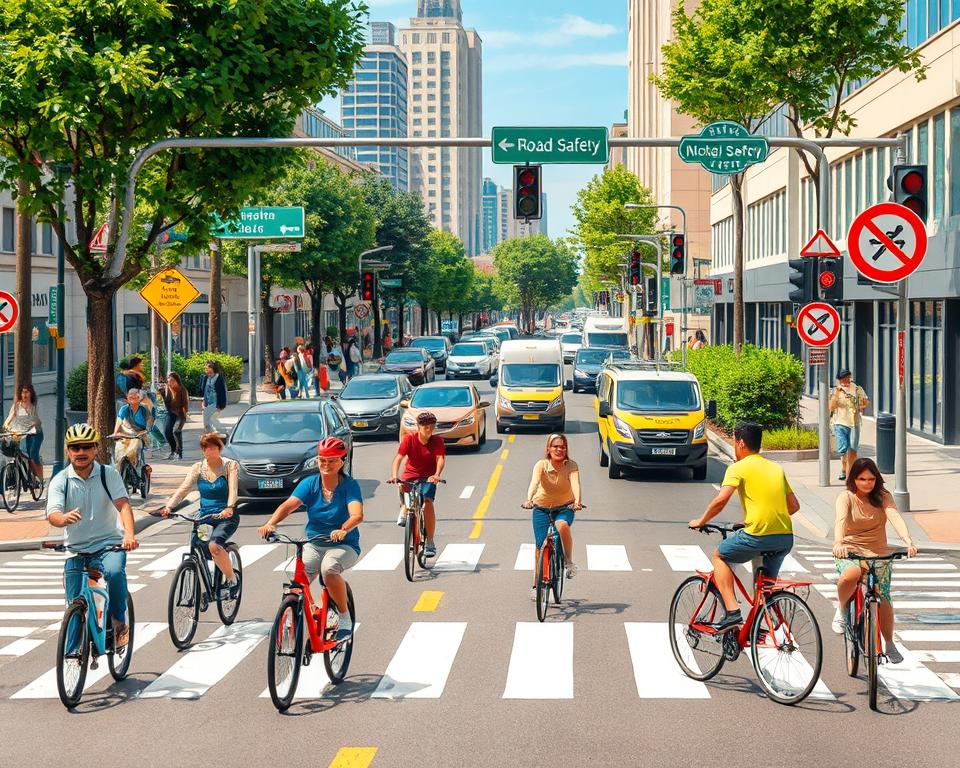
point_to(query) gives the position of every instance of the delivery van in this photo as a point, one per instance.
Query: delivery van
(529, 383)
(609, 332)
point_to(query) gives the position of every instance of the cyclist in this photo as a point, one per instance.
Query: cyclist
(863, 511)
(133, 420)
(23, 417)
(335, 509)
(555, 485)
(216, 479)
(426, 456)
(768, 502)
(85, 499)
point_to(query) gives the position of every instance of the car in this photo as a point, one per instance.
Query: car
(415, 362)
(510, 328)
(471, 359)
(500, 332)
(371, 402)
(275, 445)
(570, 342)
(487, 338)
(461, 415)
(587, 365)
(437, 346)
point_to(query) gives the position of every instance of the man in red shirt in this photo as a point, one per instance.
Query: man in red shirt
(426, 455)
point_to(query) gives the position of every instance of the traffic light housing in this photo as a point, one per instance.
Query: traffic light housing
(650, 296)
(830, 280)
(636, 270)
(803, 274)
(678, 255)
(368, 286)
(527, 192)
(909, 186)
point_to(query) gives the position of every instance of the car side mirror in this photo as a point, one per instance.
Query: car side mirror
(568, 385)
(605, 409)
(483, 404)
(404, 403)
(711, 409)
(494, 380)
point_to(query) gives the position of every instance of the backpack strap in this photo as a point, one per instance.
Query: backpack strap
(103, 481)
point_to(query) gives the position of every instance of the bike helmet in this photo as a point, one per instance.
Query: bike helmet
(426, 418)
(332, 448)
(81, 433)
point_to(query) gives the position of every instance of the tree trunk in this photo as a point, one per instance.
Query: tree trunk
(316, 314)
(101, 404)
(215, 293)
(266, 336)
(341, 301)
(424, 316)
(460, 324)
(377, 330)
(736, 189)
(401, 320)
(23, 332)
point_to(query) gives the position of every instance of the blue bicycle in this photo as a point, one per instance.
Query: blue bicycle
(85, 634)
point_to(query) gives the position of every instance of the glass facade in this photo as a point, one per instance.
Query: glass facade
(491, 211)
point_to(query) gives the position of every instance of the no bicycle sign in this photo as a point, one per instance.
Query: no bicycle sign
(818, 324)
(887, 242)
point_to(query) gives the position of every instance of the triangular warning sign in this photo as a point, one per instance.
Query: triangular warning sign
(820, 246)
(101, 238)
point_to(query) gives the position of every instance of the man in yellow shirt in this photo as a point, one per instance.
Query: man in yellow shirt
(847, 404)
(768, 502)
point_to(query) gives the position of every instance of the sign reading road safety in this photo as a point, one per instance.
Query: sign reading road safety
(820, 246)
(9, 311)
(567, 145)
(169, 293)
(818, 324)
(887, 242)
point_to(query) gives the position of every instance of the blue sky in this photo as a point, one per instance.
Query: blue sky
(545, 62)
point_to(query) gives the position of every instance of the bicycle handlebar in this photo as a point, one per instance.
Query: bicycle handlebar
(187, 518)
(284, 539)
(552, 511)
(398, 481)
(723, 530)
(60, 547)
(898, 555)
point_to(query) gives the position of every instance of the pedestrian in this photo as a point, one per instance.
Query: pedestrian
(336, 362)
(387, 339)
(23, 417)
(302, 368)
(213, 389)
(354, 359)
(847, 404)
(312, 361)
(177, 402)
(289, 373)
(699, 340)
(279, 381)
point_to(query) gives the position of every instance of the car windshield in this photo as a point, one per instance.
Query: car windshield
(657, 396)
(368, 389)
(468, 350)
(531, 375)
(442, 397)
(600, 339)
(571, 338)
(599, 356)
(404, 357)
(279, 427)
(434, 345)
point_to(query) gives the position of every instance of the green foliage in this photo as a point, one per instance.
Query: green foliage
(483, 295)
(191, 369)
(451, 274)
(533, 272)
(333, 331)
(77, 388)
(761, 385)
(790, 439)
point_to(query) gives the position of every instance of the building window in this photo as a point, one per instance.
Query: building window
(770, 325)
(955, 162)
(925, 392)
(939, 166)
(136, 334)
(886, 395)
(194, 332)
(417, 57)
(8, 242)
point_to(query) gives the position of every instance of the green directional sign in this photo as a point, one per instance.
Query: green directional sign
(390, 282)
(516, 146)
(264, 224)
(724, 147)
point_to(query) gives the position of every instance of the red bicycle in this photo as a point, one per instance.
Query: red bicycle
(414, 530)
(781, 631)
(297, 610)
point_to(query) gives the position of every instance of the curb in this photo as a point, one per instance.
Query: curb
(807, 454)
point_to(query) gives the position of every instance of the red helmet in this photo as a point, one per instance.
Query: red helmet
(332, 448)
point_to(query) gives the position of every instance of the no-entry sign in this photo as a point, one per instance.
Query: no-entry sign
(887, 242)
(818, 324)
(9, 311)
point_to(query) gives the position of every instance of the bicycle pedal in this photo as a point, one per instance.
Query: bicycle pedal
(94, 663)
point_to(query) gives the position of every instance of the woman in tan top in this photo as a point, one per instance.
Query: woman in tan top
(863, 511)
(555, 485)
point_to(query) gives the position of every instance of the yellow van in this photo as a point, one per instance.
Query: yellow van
(650, 417)
(530, 385)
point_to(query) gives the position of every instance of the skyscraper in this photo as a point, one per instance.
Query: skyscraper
(491, 214)
(445, 91)
(374, 103)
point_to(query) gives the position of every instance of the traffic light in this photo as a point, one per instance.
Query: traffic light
(803, 274)
(831, 280)
(650, 296)
(636, 270)
(909, 186)
(527, 192)
(678, 255)
(368, 286)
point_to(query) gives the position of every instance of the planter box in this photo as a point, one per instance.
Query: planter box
(719, 442)
(233, 396)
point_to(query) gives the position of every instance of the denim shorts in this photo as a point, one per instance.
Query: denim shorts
(883, 569)
(222, 531)
(427, 490)
(541, 521)
(848, 438)
(742, 547)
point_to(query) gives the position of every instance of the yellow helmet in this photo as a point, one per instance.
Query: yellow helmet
(81, 433)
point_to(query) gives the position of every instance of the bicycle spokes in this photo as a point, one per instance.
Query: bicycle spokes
(786, 647)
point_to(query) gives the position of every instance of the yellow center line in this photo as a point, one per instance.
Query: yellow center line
(428, 602)
(354, 757)
(503, 456)
(511, 439)
(484, 503)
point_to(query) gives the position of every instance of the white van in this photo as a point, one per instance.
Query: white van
(530, 385)
(609, 332)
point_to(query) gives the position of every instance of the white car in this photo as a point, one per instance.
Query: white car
(471, 359)
(570, 342)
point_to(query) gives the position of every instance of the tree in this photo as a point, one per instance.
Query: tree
(483, 297)
(453, 272)
(90, 84)
(533, 272)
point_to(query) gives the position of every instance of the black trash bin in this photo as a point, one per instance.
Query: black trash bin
(886, 441)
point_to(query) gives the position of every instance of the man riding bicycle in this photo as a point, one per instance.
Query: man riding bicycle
(426, 456)
(768, 502)
(85, 499)
(133, 421)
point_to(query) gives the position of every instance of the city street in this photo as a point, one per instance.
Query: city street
(455, 670)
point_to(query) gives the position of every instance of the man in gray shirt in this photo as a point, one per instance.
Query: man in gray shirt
(89, 501)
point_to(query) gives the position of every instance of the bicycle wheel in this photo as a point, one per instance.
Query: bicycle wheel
(543, 582)
(871, 628)
(788, 658)
(144, 482)
(228, 607)
(183, 604)
(850, 639)
(36, 486)
(337, 661)
(72, 659)
(129, 479)
(421, 556)
(119, 661)
(409, 546)
(558, 575)
(699, 654)
(285, 652)
(10, 486)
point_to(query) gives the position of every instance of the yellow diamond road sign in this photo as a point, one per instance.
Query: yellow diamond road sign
(169, 293)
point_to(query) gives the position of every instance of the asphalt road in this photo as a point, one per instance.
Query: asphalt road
(476, 680)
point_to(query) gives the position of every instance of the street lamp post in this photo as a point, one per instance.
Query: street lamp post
(61, 422)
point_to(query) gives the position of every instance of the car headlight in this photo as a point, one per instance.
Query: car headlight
(408, 421)
(622, 429)
(310, 463)
(578, 372)
(504, 403)
(467, 421)
(700, 430)
(556, 402)
(392, 411)
(453, 363)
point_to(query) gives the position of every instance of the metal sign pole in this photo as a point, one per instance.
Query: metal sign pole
(900, 493)
(252, 321)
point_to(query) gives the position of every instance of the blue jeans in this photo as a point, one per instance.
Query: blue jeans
(541, 521)
(848, 438)
(303, 379)
(31, 446)
(114, 568)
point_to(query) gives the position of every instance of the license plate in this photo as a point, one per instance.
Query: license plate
(663, 451)
(265, 485)
(531, 416)
(360, 424)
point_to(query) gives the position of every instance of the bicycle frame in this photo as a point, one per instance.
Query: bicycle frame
(865, 592)
(300, 585)
(98, 633)
(410, 489)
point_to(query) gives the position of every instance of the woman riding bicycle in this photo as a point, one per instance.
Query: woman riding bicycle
(23, 417)
(334, 509)
(555, 485)
(216, 480)
(134, 420)
(863, 511)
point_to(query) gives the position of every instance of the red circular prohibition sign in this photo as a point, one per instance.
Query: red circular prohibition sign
(9, 311)
(818, 324)
(887, 242)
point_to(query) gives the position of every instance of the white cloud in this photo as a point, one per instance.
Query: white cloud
(560, 61)
(557, 32)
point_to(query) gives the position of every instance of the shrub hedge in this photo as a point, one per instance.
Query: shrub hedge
(790, 439)
(77, 388)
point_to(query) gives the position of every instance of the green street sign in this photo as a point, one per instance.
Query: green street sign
(52, 307)
(264, 224)
(516, 146)
(724, 147)
(390, 282)
(665, 294)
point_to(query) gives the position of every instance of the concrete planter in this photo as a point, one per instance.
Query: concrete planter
(233, 396)
(720, 444)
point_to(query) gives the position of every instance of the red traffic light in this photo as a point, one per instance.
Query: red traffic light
(827, 280)
(912, 183)
(678, 241)
(526, 177)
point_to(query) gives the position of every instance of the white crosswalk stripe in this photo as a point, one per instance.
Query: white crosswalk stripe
(541, 663)
(657, 674)
(381, 557)
(607, 557)
(421, 665)
(459, 557)
(686, 557)
(20, 647)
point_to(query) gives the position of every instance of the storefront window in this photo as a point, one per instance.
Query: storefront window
(925, 376)
(886, 356)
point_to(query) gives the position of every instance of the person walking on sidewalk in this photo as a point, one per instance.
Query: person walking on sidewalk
(302, 367)
(23, 417)
(847, 404)
(213, 389)
(336, 361)
(863, 511)
(177, 402)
